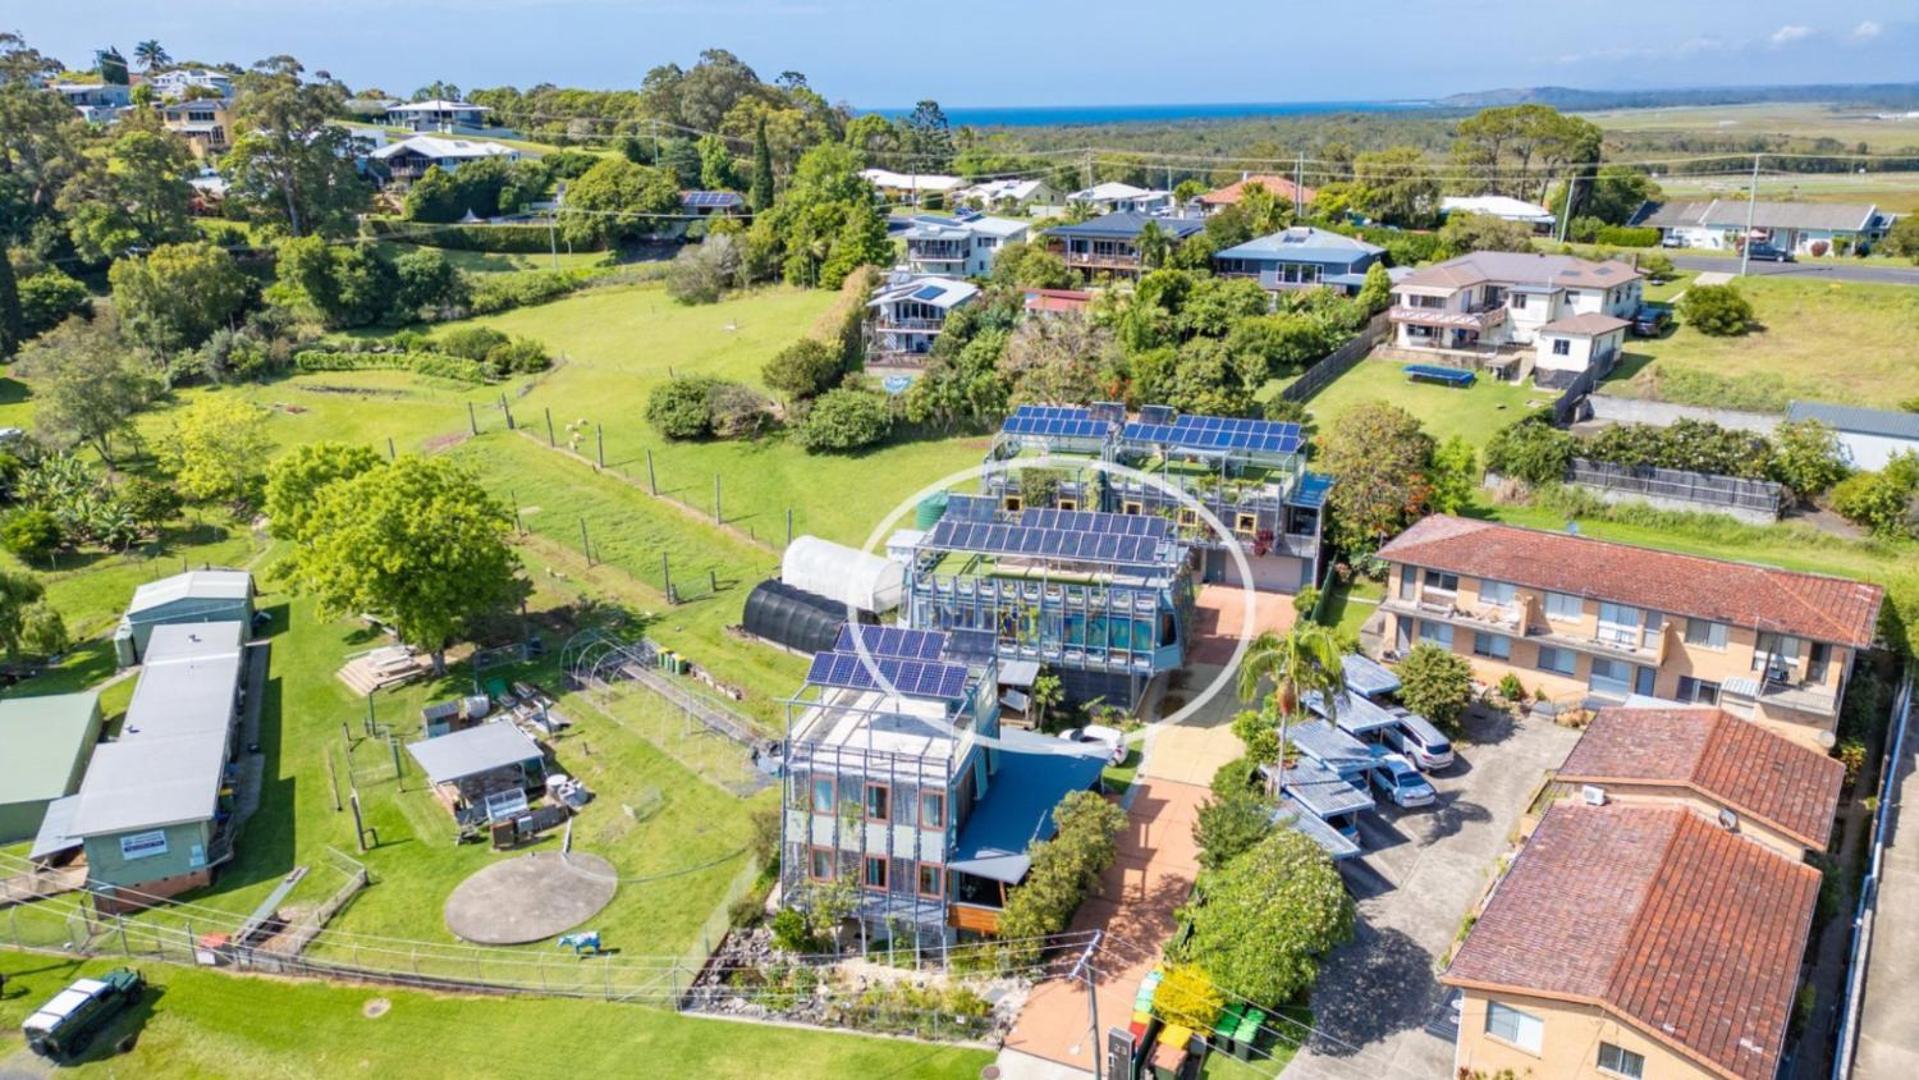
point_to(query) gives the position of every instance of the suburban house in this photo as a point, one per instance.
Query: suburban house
(437, 115)
(713, 203)
(912, 790)
(1113, 197)
(1102, 599)
(97, 103)
(1767, 788)
(1588, 621)
(48, 740)
(409, 159)
(1007, 195)
(1478, 303)
(1110, 243)
(1566, 347)
(175, 84)
(1056, 301)
(1870, 437)
(963, 246)
(1503, 207)
(156, 809)
(1301, 258)
(1638, 940)
(205, 123)
(1280, 187)
(906, 315)
(1803, 228)
(195, 596)
(910, 188)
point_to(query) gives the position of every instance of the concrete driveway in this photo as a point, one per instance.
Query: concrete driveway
(1420, 871)
(1865, 273)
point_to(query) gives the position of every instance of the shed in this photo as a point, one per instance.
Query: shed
(194, 596)
(488, 748)
(56, 832)
(790, 616)
(44, 746)
(1870, 437)
(849, 576)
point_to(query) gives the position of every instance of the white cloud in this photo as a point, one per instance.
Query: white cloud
(1786, 35)
(1864, 30)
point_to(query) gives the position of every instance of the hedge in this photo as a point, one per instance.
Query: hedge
(438, 365)
(1627, 236)
(496, 239)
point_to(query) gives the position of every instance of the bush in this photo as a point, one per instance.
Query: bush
(1232, 778)
(704, 272)
(1627, 236)
(1716, 310)
(521, 356)
(47, 298)
(682, 407)
(1063, 871)
(498, 239)
(437, 365)
(493, 293)
(804, 369)
(738, 412)
(792, 934)
(471, 342)
(31, 534)
(1882, 501)
(1267, 917)
(1436, 683)
(1807, 457)
(1229, 825)
(1658, 267)
(845, 419)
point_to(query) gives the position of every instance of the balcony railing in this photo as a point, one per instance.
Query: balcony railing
(887, 324)
(1102, 262)
(1454, 320)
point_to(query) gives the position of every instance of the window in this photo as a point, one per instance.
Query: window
(1245, 523)
(1496, 592)
(1188, 517)
(1438, 633)
(932, 810)
(823, 795)
(1131, 506)
(1559, 661)
(1654, 620)
(879, 798)
(1619, 624)
(932, 880)
(1444, 582)
(1562, 347)
(1408, 583)
(1494, 646)
(875, 876)
(1705, 633)
(1507, 1024)
(1781, 649)
(820, 864)
(1621, 1061)
(1565, 607)
(1697, 691)
(1068, 504)
(1517, 301)
(1013, 503)
(1610, 676)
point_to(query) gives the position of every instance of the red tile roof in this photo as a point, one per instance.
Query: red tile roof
(1280, 187)
(1689, 933)
(1730, 761)
(1810, 606)
(1057, 300)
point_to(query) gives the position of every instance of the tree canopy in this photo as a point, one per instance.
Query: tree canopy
(1266, 917)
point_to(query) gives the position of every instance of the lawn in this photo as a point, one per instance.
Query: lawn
(1473, 413)
(203, 1024)
(489, 262)
(1748, 123)
(1351, 603)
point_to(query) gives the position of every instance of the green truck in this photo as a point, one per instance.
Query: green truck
(62, 1027)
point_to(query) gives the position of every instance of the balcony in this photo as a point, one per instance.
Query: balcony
(888, 324)
(1813, 698)
(1106, 261)
(1479, 321)
(896, 359)
(1510, 620)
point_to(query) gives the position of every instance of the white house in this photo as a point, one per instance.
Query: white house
(1488, 300)
(959, 247)
(1565, 348)
(1504, 207)
(410, 158)
(1870, 437)
(911, 187)
(1113, 197)
(437, 115)
(1006, 195)
(172, 85)
(1798, 227)
(906, 316)
(97, 103)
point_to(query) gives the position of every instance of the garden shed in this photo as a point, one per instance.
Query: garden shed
(469, 766)
(44, 746)
(845, 575)
(191, 597)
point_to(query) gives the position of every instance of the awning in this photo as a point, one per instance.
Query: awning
(1018, 672)
(53, 838)
(1035, 772)
(1355, 715)
(476, 750)
(1367, 677)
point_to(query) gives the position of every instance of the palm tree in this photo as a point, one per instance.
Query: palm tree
(1302, 660)
(151, 54)
(1153, 246)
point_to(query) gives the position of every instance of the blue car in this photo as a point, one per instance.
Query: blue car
(1397, 780)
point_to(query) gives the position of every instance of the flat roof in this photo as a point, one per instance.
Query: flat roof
(1882, 422)
(1366, 676)
(1034, 774)
(43, 736)
(489, 746)
(1355, 715)
(56, 829)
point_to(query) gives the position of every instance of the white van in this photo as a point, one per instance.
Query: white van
(1415, 736)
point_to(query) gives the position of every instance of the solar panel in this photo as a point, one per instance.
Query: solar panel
(930, 292)
(1111, 412)
(916, 678)
(1051, 543)
(894, 641)
(1218, 433)
(1097, 522)
(970, 507)
(1157, 414)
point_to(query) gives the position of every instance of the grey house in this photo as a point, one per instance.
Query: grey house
(195, 596)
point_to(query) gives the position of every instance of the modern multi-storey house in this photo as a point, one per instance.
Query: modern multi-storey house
(962, 246)
(205, 123)
(1110, 244)
(1481, 302)
(409, 159)
(914, 793)
(1587, 620)
(1301, 258)
(907, 314)
(179, 82)
(438, 115)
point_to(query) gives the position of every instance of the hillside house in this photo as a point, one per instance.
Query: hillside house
(97, 103)
(1007, 196)
(1565, 348)
(905, 316)
(177, 83)
(438, 115)
(1114, 197)
(1110, 243)
(1281, 188)
(911, 188)
(205, 123)
(409, 159)
(958, 246)
(1477, 305)
(1301, 258)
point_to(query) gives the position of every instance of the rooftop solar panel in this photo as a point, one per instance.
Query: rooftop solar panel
(895, 641)
(1157, 414)
(1105, 547)
(930, 292)
(1218, 433)
(915, 678)
(1094, 521)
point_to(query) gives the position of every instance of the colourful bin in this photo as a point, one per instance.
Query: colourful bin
(1246, 1040)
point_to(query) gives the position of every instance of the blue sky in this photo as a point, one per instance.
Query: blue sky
(995, 52)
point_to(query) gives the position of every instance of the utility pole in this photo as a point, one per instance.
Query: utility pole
(1752, 202)
(1299, 178)
(1085, 968)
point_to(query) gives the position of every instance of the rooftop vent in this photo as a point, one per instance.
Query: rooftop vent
(1593, 795)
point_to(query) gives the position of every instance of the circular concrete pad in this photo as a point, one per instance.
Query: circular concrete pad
(530, 897)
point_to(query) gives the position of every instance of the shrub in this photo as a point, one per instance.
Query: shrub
(804, 369)
(1511, 688)
(738, 411)
(500, 239)
(1887, 502)
(1658, 267)
(1436, 683)
(1229, 825)
(492, 293)
(31, 534)
(1267, 917)
(471, 342)
(438, 365)
(845, 419)
(1627, 236)
(151, 503)
(47, 298)
(1063, 871)
(521, 356)
(1716, 310)
(1233, 777)
(791, 933)
(682, 407)
(704, 272)
(1186, 996)
(1807, 457)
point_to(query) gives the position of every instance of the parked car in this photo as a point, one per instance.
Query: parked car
(1651, 320)
(1396, 779)
(63, 1026)
(1768, 253)
(1422, 743)
(1112, 739)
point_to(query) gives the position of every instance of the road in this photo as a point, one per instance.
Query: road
(1864, 273)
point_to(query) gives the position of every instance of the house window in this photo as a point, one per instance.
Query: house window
(1650, 638)
(1444, 582)
(932, 880)
(1492, 646)
(1621, 1062)
(1408, 583)
(932, 810)
(1706, 634)
(1013, 503)
(1609, 676)
(879, 798)
(823, 795)
(1245, 523)
(1437, 633)
(1517, 301)
(1781, 649)
(1564, 607)
(1558, 661)
(1188, 518)
(1132, 506)
(1497, 592)
(875, 874)
(1619, 624)
(1509, 1025)
(820, 864)
(1697, 691)
(1562, 347)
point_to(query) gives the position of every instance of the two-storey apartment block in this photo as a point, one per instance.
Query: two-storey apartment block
(1301, 258)
(1110, 244)
(1578, 619)
(177, 83)
(962, 246)
(907, 314)
(1491, 299)
(911, 790)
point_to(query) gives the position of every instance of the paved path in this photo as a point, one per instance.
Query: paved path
(1866, 273)
(1888, 1034)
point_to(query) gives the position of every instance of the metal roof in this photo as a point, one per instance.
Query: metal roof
(1354, 714)
(1304, 244)
(1733, 213)
(489, 746)
(1366, 676)
(1335, 843)
(1321, 790)
(42, 737)
(1883, 422)
(56, 830)
(1127, 225)
(194, 584)
(1034, 774)
(1328, 745)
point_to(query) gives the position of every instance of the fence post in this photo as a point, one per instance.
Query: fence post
(549, 428)
(719, 518)
(666, 577)
(586, 546)
(599, 438)
(472, 421)
(789, 526)
(606, 976)
(390, 452)
(652, 481)
(121, 922)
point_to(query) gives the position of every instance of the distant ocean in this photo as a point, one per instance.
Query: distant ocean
(1054, 115)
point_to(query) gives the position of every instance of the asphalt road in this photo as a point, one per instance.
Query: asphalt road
(1876, 275)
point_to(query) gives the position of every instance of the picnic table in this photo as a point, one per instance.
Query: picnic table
(1439, 373)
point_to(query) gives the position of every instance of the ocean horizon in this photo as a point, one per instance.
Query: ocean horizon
(1058, 115)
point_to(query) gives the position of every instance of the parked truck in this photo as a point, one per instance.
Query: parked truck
(62, 1027)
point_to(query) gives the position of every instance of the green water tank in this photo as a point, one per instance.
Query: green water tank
(931, 509)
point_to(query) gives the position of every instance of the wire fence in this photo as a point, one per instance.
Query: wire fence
(1761, 498)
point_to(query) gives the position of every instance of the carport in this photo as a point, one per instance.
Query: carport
(467, 766)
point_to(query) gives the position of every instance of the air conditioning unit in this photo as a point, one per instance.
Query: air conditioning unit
(1593, 794)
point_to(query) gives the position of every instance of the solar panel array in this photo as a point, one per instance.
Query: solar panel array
(916, 678)
(1095, 522)
(961, 507)
(894, 641)
(1055, 421)
(1157, 414)
(1112, 412)
(711, 198)
(1102, 547)
(1219, 433)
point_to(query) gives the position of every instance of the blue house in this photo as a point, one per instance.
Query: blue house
(1110, 243)
(1300, 258)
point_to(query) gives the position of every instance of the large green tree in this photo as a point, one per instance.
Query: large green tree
(40, 150)
(86, 388)
(291, 165)
(178, 296)
(139, 198)
(216, 450)
(294, 481)
(616, 202)
(760, 195)
(1396, 186)
(1266, 919)
(1379, 458)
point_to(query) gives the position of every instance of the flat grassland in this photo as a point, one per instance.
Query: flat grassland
(1472, 414)
(1804, 120)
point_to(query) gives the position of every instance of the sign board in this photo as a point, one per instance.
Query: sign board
(143, 845)
(1119, 1054)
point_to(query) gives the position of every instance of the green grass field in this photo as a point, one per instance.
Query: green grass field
(1850, 125)
(196, 1024)
(487, 262)
(1472, 414)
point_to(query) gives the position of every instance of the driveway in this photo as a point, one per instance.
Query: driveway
(1421, 870)
(1888, 1039)
(1864, 273)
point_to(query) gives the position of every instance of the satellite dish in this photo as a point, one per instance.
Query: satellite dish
(1728, 819)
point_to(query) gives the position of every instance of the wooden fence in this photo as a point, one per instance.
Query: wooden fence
(1338, 362)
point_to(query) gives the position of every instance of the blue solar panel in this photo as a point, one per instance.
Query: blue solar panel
(915, 678)
(970, 507)
(1312, 490)
(894, 641)
(1218, 433)
(1103, 547)
(930, 292)
(1096, 522)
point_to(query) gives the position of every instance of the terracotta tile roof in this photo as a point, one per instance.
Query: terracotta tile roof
(1280, 187)
(1810, 606)
(1730, 761)
(1687, 932)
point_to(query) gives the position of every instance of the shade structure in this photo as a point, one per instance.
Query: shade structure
(845, 575)
(795, 618)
